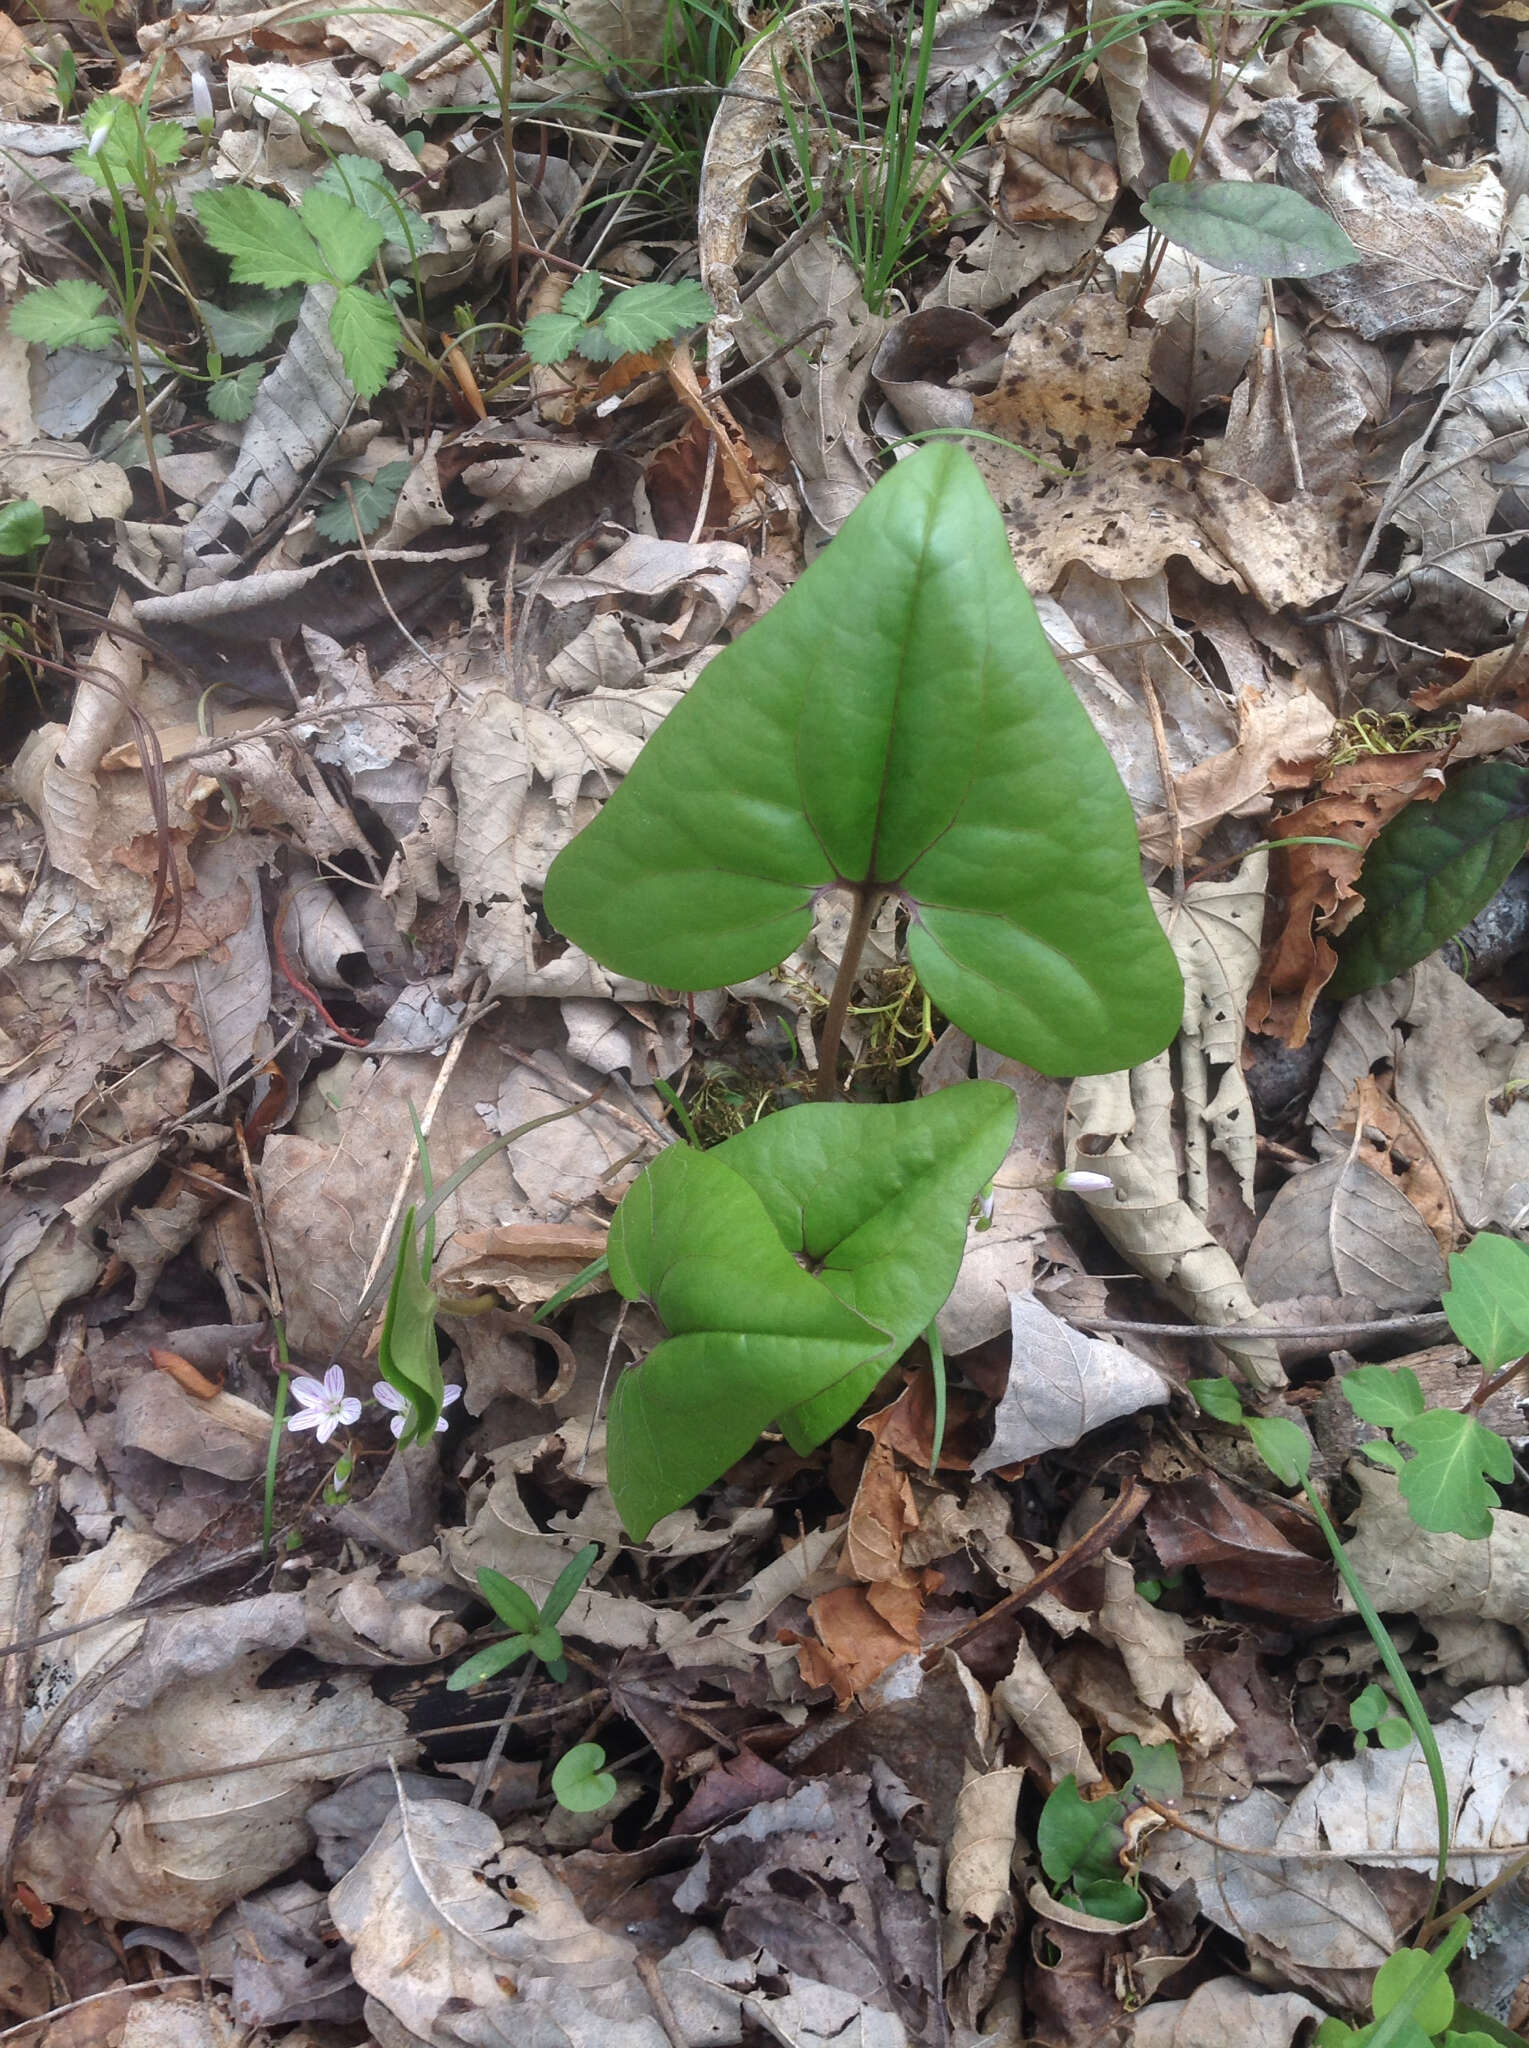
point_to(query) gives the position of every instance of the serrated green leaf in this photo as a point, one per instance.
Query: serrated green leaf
(896, 722)
(374, 501)
(875, 1201)
(133, 152)
(365, 185)
(1283, 1445)
(582, 296)
(1080, 1839)
(249, 328)
(265, 242)
(1487, 1301)
(580, 1781)
(646, 314)
(512, 1603)
(1430, 870)
(488, 1663)
(408, 1350)
(365, 331)
(1435, 2006)
(751, 1335)
(551, 337)
(66, 315)
(233, 398)
(22, 527)
(1383, 1394)
(1445, 1484)
(347, 238)
(1252, 230)
(1219, 1399)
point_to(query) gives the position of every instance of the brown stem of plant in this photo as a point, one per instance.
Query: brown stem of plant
(866, 900)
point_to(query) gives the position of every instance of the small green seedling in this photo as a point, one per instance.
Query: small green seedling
(895, 727)
(363, 509)
(1447, 1481)
(1372, 1713)
(534, 1629)
(1414, 2004)
(634, 320)
(1083, 1844)
(580, 1781)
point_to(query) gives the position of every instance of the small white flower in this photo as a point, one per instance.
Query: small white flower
(98, 140)
(201, 101)
(402, 1408)
(1083, 1183)
(325, 1404)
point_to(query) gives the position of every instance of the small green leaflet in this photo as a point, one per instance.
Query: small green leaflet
(552, 337)
(233, 398)
(365, 330)
(1384, 1395)
(1430, 870)
(22, 527)
(1219, 1399)
(347, 238)
(1283, 1445)
(374, 501)
(265, 241)
(364, 185)
(645, 315)
(249, 328)
(1445, 1485)
(582, 296)
(580, 1781)
(1251, 230)
(1487, 1300)
(1373, 1714)
(66, 315)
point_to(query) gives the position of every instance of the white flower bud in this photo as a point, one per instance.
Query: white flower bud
(1083, 1183)
(201, 101)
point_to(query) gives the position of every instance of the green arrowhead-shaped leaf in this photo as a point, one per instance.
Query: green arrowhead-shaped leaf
(1487, 1300)
(1445, 1485)
(897, 723)
(1254, 230)
(876, 1199)
(408, 1349)
(751, 1335)
(1431, 870)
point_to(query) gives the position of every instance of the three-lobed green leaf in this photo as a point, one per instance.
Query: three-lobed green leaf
(65, 315)
(1445, 1481)
(1431, 870)
(896, 723)
(1487, 1300)
(1252, 230)
(265, 241)
(792, 1267)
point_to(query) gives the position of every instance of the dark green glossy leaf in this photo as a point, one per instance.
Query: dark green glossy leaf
(751, 1335)
(897, 722)
(1254, 230)
(1431, 870)
(1487, 1300)
(875, 1200)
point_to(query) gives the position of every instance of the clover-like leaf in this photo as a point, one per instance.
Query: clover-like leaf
(751, 1335)
(1431, 869)
(1487, 1300)
(1254, 230)
(580, 1781)
(1445, 1484)
(233, 398)
(875, 1201)
(644, 315)
(896, 723)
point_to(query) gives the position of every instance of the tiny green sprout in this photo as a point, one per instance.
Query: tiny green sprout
(533, 1629)
(633, 320)
(22, 527)
(580, 1781)
(395, 83)
(1179, 167)
(1372, 1713)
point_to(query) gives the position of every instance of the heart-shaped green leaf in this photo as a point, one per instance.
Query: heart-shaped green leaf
(580, 1781)
(875, 1198)
(751, 1335)
(1431, 870)
(896, 723)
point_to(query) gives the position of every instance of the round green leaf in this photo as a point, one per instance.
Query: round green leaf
(580, 1780)
(897, 722)
(1487, 1301)
(1283, 1445)
(1253, 230)
(1431, 869)
(1435, 2006)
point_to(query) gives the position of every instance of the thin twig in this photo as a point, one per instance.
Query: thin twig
(490, 1763)
(1378, 1326)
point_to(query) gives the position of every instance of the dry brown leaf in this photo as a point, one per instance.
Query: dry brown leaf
(1343, 1230)
(1030, 1699)
(1225, 2010)
(1042, 170)
(1074, 386)
(1152, 1645)
(1061, 1385)
(881, 1514)
(978, 1888)
(855, 1640)
(1279, 740)
(26, 85)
